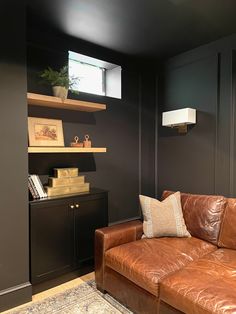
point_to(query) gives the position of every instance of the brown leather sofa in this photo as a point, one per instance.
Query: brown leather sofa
(194, 275)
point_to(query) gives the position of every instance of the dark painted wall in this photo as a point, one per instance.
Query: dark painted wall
(14, 242)
(203, 160)
(126, 128)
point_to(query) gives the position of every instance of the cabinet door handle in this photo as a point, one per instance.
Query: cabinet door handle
(77, 205)
(72, 206)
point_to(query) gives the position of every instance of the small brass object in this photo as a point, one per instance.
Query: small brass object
(76, 142)
(87, 142)
(183, 128)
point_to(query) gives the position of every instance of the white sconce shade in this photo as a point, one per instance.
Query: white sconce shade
(179, 118)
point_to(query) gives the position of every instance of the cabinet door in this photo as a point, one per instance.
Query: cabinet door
(90, 215)
(52, 240)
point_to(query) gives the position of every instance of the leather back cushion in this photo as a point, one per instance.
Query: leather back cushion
(203, 214)
(227, 237)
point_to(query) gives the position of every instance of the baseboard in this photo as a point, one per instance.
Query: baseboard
(15, 296)
(124, 220)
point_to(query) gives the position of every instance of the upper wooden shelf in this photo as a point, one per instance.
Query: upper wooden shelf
(56, 102)
(66, 150)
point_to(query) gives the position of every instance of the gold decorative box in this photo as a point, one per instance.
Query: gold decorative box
(63, 190)
(57, 182)
(66, 172)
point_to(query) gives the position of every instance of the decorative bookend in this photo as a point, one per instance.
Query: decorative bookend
(87, 142)
(76, 142)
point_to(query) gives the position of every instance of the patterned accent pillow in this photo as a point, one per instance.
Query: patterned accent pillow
(163, 219)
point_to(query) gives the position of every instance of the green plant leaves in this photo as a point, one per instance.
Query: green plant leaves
(59, 78)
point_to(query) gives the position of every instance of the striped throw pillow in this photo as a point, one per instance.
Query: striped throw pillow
(163, 219)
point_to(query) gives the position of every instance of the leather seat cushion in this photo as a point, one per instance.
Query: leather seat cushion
(146, 261)
(204, 286)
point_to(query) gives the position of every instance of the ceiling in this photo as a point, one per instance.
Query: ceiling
(141, 28)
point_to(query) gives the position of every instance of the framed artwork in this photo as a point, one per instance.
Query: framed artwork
(45, 132)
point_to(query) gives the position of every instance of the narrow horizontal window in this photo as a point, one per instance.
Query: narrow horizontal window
(95, 76)
(91, 77)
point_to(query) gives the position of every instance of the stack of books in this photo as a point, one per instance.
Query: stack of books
(35, 187)
(66, 181)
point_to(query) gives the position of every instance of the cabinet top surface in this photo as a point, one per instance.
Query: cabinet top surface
(93, 191)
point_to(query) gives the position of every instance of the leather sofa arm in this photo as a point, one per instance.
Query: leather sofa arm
(109, 237)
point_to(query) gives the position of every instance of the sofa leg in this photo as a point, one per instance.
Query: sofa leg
(101, 289)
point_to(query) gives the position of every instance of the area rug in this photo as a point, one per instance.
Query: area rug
(84, 298)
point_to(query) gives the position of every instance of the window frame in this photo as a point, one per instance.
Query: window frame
(103, 85)
(111, 75)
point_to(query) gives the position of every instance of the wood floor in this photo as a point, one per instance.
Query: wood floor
(55, 290)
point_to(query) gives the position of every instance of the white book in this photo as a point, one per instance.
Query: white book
(41, 186)
(33, 185)
(32, 188)
(34, 178)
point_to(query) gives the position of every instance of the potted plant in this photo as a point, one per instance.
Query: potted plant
(59, 80)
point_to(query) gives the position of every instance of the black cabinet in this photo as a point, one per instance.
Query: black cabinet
(62, 232)
(88, 218)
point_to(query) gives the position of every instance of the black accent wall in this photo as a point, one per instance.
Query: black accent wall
(143, 157)
(14, 230)
(126, 128)
(203, 160)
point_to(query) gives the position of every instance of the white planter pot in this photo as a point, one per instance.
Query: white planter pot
(60, 91)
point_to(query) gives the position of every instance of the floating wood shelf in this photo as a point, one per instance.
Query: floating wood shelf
(56, 102)
(66, 150)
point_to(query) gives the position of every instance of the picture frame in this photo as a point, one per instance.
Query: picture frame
(45, 132)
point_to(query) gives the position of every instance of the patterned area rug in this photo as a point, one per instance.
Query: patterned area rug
(79, 300)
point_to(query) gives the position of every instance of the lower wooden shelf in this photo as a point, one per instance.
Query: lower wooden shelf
(66, 150)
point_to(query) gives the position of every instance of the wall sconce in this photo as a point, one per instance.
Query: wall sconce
(179, 119)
